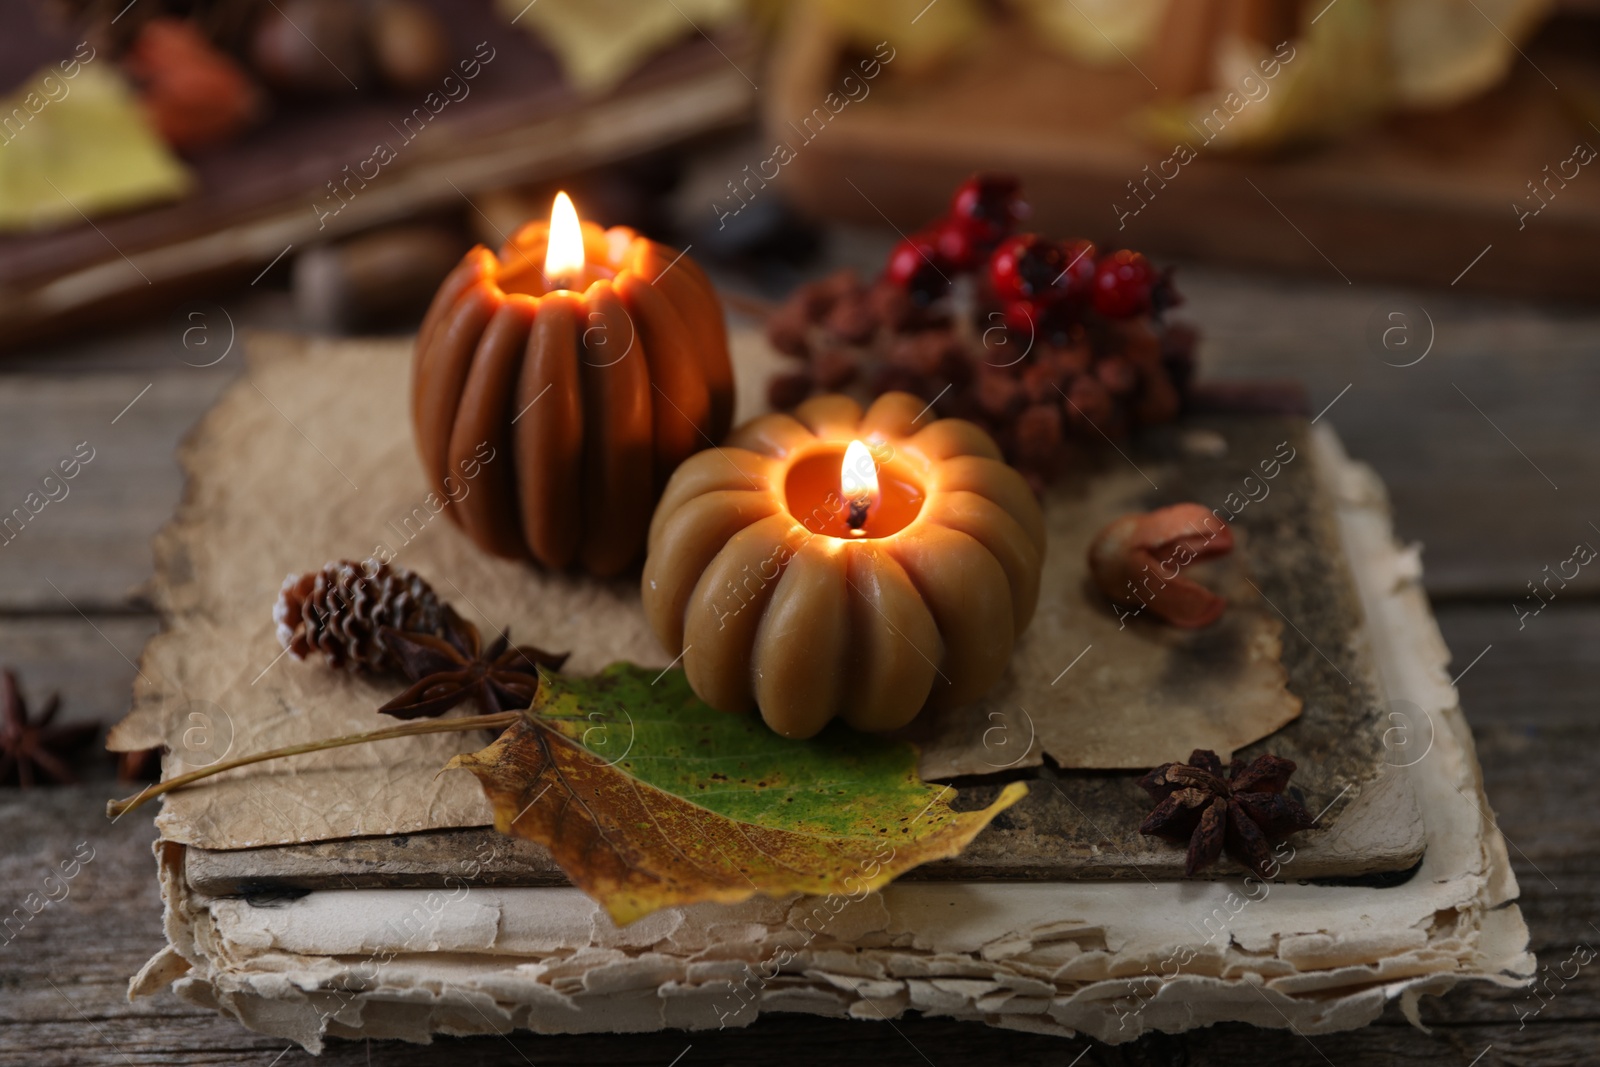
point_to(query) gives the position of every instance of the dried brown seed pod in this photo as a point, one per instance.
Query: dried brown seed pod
(1138, 561)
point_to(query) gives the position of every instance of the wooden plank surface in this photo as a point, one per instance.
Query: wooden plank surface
(64, 977)
(1456, 482)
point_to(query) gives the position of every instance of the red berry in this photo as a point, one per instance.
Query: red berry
(988, 206)
(916, 267)
(1026, 267)
(1022, 317)
(907, 258)
(956, 245)
(1122, 284)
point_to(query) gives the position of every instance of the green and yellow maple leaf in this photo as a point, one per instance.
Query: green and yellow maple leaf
(648, 798)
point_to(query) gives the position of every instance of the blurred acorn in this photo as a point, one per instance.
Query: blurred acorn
(409, 45)
(311, 47)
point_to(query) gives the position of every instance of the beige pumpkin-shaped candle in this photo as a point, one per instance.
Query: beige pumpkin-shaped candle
(836, 562)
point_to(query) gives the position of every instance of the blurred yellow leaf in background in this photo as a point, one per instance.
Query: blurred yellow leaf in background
(79, 144)
(1445, 51)
(1353, 62)
(1096, 31)
(601, 42)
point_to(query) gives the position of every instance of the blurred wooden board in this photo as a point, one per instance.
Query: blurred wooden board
(1416, 199)
(259, 196)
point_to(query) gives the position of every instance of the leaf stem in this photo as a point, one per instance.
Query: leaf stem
(116, 808)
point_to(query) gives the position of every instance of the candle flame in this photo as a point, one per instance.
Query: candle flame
(858, 482)
(563, 258)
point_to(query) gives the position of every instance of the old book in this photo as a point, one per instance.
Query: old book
(355, 892)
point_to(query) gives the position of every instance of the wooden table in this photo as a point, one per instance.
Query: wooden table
(1489, 446)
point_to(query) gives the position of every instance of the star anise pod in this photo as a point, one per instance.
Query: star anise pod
(1241, 813)
(445, 670)
(28, 749)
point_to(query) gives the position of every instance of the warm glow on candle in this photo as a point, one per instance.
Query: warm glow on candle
(858, 483)
(563, 260)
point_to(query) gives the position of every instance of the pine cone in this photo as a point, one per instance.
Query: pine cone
(341, 609)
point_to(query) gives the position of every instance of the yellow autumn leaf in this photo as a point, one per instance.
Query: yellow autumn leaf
(1096, 31)
(648, 798)
(601, 42)
(1330, 79)
(1445, 51)
(79, 144)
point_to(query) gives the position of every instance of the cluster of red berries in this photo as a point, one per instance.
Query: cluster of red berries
(1040, 284)
(1043, 342)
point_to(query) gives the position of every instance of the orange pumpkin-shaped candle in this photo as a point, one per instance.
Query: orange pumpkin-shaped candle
(586, 364)
(839, 563)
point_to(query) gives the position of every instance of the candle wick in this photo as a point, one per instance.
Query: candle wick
(858, 510)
